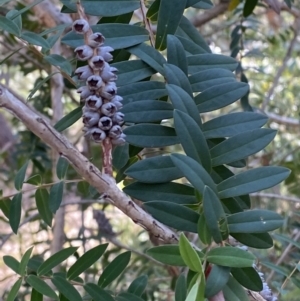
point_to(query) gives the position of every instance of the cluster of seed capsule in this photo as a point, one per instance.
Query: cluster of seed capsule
(101, 103)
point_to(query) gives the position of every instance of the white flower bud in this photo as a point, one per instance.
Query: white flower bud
(120, 140)
(94, 82)
(96, 134)
(115, 132)
(81, 26)
(105, 52)
(96, 39)
(117, 102)
(97, 62)
(84, 52)
(105, 123)
(108, 73)
(118, 118)
(108, 109)
(83, 72)
(109, 91)
(90, 118)
(84, 92)
(93, 102)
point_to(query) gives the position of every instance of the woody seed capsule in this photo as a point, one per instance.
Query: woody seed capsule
(84, 52)
(96, 39)
(94, 82)
(81, 26)
(93, 102)
(105, 123)
(108, 109)
(83, 72)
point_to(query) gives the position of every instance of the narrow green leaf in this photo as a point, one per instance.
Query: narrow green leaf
(55, 196)
(138, 285)
(125, 296)
(180, 288)
(42, 204)
(36, 296)
(41, 286)
(15, 17)
(12, 263)
(120, 156)
(249, 7)
(5, 206)
(233, 291)
(9, 26)
(189, 255)
(24, 261)
(152, 12)
(83, 188)
(248, 278)
(60, 61)
(26, 8)
(35, 39)
(230, 257)
(15, 212)
(254, 240)
(62, 167)
(97, 293)
(190, 47)
(68, 120)
(252, 180)
(20, 176)
(65, 288)
(278, 269)
(85, 261)
(216, 280)
(203, 231)
(55, 260)
(35, 180)
(14, 290)
(114, 269)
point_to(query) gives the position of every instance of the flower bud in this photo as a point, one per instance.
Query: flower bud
(115, 132)
(84, 92)
(83, 72)
(96, 39)
(96, 134)
(117, 102)
(105, 53)
(94, 82)
(81, 26)
(120, 140)
(108, 73)
(109, 91)
(97, 62)
(90, 118)
(84, 52)
(105, 123)
(118, 118)
(108, 109)
(93, 102)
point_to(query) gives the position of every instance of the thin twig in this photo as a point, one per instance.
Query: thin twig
(275, 196)
(147, 22)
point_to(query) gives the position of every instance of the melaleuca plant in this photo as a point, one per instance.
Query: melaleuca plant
(163, 86)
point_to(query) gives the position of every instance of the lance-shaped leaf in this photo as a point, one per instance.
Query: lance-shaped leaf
(41, 286)
(125, 296)
(220, 96)
(20, 176)
(36, 296)
(216, 280)
(97, 293)
(160, 169)
(248, 277)
(232, 124)
(114, 269)
(168, 192)
(241, 146)
(85, 261)
(65, 288)
(205, 79)
(62, 167)
(5, 206)
(189, 46)
(24, 261)
(9, 26)
(180, 288)
(147, 111)
(214, 215)
(173, 215)
(138, 285)
(192, 139)
(194, 172)
(233, 291)
(68, 120)
(55, 196)
(249, 7)
(60, 61)
(42, 204)
(151, 135)
(12, 263)
(183, 102)
(14, 290)
(169, 16)
(254, 221)
(230, 257)
(254, 240)
(252, 180)
(152, 12)
(15, 212)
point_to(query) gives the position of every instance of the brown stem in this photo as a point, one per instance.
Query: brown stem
(107, 157)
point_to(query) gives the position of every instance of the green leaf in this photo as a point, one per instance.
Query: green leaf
(117, 36)
(189, 255)
(114, 269)
(168, 192)
(249, 7)
(24, 261)
(214, 215)
(138, 285)
(203, 231)
(189, 46)
(254, 240)
(106, 8)
(62, 167)
(194, 172)
(232, 124)
(85, 261)
(42, 203)
(65, 288)
(14, 290)
(151, 135)
(169, 16)
(160, 169)
(280, 270)
(180, 288)
(68, 120)
(192, 139)
(125, 296)
(83, 188)
(254, 221)
(5, 206)
(147, 111)
(252, 181)
(15, 17)
(35, 39)
(176, 54)
(233, 291)
(248, 278)
(36, 296)
(200, 62)
(220, 96)
(55, 196)
(60, 61)
(241, 145)
(9, 26)
(230, 257)
(41, 286)
(35, 180)
(216, 280)
(12, 263)
(173, 215)
(55, 260)
(183, 102)
(15, 212)
(20, 176)
(97, 293)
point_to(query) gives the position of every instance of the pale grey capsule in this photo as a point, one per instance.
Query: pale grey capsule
(104, 51)
(109, 90)
(108, 109)
(117, 103)
(96, 39)
(94, 82)
(105, 123)
(108, 73)
(83, 72)
(115, 132)
(96, 134)
(84, 52)
(120, 140)
(93, 102)
(81, 26)
(84, 92)
(118, 118)
(90, 118)
(97, 62)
